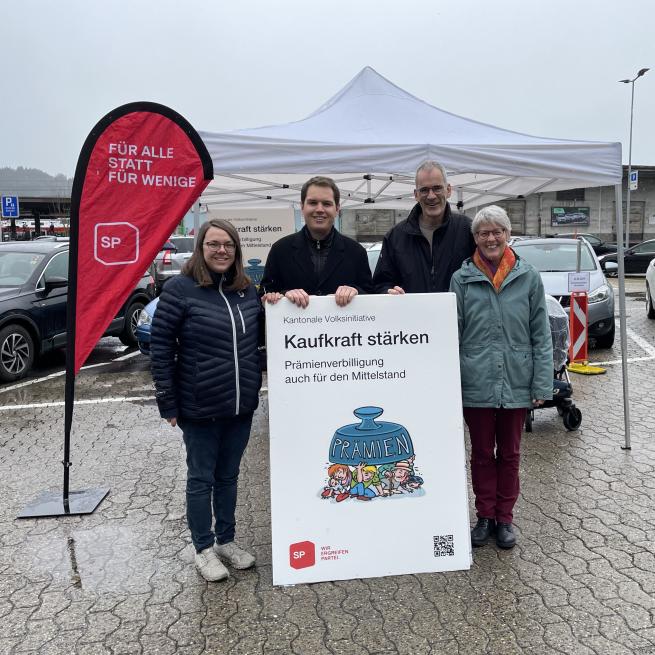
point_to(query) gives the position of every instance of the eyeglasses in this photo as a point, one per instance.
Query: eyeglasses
(216, 246)
(496, 234)
(425, 190)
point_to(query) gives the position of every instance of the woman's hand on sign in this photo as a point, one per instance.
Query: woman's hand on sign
(344, 295)
(172, 421)
(271, 297)
(298, 297)
(396, 291)
(537, 403)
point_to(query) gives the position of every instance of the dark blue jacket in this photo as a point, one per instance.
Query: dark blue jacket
(204, 340)
(406, 260)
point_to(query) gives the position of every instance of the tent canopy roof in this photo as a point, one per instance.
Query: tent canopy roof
(372, 135)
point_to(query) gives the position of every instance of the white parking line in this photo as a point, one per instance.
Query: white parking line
(95, 401)
(60, 373)
(642, 343)
(60, 403)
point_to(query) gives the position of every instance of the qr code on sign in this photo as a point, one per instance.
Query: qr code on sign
(443, 545)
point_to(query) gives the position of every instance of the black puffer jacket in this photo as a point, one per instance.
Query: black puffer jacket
(406, 260)
(204, 356)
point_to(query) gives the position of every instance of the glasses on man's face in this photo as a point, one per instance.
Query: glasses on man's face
(217, 246)
(496, 234)
(424, 191)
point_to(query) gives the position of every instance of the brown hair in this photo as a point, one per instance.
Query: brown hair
(319, 180)
(197, 268)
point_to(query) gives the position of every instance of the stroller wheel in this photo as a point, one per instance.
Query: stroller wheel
(572, 419)
(529, 418)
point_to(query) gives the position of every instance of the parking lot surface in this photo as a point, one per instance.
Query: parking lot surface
(581, 579)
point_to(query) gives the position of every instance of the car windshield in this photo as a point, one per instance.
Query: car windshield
(556, 257)
(183, 244)
(17, 267)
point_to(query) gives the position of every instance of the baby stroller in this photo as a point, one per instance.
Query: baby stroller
(562, 389)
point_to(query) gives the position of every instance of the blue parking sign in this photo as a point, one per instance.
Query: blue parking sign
(10, 207)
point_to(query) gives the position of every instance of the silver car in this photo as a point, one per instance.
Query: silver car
(170, 260)
(555, 259)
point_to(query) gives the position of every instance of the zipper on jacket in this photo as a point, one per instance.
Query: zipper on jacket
(243, 323)
(234, 341)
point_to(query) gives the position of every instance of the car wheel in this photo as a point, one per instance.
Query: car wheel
(650, 311)
(607, 340)
(128, 335)
(16, 353)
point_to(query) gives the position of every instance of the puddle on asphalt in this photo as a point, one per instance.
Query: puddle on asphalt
(101, 559)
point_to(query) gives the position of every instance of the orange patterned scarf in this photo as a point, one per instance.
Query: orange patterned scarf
(506, 264)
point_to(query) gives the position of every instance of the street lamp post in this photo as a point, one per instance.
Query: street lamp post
(641, 72)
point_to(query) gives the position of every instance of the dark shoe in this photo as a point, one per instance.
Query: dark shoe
(363, 497)
(505, 537)
(483, 529)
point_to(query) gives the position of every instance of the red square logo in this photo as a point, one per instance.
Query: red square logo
(302, 555)
(116, 243)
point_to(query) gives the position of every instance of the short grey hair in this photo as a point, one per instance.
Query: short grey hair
(492, 214)
(428, 165)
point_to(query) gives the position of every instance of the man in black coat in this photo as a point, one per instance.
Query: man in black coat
(421, 253)
(318, 260)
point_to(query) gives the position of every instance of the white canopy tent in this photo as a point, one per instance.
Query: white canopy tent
(371, 136)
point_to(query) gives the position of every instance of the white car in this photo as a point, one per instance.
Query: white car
(650, 289)
(555, 259)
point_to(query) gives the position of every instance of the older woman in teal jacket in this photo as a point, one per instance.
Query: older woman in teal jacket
(506, 364)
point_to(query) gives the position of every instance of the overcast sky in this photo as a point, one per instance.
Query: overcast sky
(543, 67)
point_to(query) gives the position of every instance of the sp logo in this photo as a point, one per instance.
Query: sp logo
(302, 555)
(116, 243)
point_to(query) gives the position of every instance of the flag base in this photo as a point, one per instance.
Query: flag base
(51, 503)
(583, 368)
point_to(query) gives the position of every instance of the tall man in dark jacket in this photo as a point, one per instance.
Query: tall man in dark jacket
(318, 260)
(421, 253)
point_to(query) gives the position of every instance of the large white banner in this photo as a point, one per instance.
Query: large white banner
(368, 472)
(258, 230)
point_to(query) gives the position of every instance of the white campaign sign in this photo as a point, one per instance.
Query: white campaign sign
(368, 472)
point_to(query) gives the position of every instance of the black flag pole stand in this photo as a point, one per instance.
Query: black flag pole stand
(85, 501)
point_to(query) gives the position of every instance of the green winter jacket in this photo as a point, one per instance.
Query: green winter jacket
(505, 345)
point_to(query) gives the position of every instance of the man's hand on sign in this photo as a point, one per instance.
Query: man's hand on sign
(271, 297)
(172, 421)
(298, 297)
(344, 295)
(537, 403)
(396, 291)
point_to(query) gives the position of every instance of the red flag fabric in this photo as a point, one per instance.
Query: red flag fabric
(140, 170)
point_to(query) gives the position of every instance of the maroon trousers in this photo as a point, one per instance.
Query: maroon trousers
(495, 452)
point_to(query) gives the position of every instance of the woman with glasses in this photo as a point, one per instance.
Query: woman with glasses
(205, 365)
(506, 363)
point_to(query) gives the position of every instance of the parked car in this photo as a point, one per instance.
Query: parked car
(599, 246)
(555, 259)
(170, 260)
(650, 289)
(143, 326)
(635, 259)
(33, 294)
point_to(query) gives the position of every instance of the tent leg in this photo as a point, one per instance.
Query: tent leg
(622, 314)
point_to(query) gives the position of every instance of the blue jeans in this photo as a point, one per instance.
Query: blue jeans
(213, 454)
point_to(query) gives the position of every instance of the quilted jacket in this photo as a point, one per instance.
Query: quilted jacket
(204, 350)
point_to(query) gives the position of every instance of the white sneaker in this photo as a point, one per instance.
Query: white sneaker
(237, 557)
(211, 568)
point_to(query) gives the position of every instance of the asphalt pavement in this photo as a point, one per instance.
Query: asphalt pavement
(581, 579)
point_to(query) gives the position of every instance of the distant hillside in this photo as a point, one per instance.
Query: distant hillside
(32, 182)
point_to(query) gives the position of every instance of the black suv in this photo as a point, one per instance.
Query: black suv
(33, 292)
